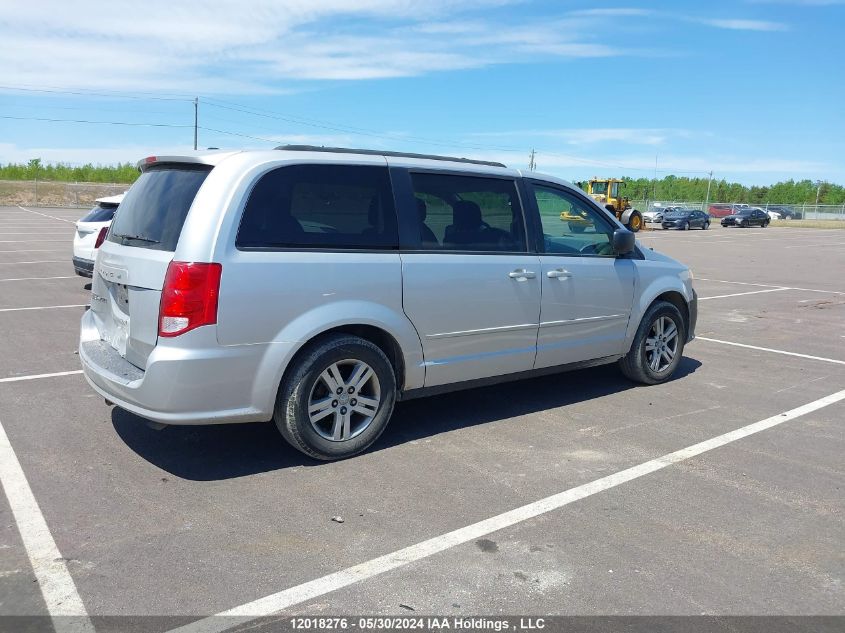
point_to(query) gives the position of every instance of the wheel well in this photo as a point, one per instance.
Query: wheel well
(384, 341)
(677, 300)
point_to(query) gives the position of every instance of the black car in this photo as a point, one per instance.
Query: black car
(685, 219)
(787, 213)
(747, 217)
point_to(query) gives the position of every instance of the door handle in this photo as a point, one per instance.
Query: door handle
(559, 273)
(521, 273)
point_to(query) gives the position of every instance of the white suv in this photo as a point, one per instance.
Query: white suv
(316, 286)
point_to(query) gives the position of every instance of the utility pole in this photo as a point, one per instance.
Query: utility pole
(654, 187)
(532, 164)
(196, 120)
(707, 197)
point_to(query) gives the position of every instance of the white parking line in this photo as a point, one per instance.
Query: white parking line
(37, 278)
(739, 294)
(37, 376)
(745, 283)
(769, 349)
(41, 261)
(54, 579)
(81, 305)
(307, 591)
(45, 215)
(813, 245)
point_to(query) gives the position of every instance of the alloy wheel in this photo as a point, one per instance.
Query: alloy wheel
(661, 345)
(344, 400)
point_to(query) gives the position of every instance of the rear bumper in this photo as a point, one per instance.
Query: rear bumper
(83, 267)
(199, 382)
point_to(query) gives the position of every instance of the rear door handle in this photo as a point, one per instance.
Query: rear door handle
(521, 273)
(559, 273)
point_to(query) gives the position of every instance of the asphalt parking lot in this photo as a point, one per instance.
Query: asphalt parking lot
(196, 521)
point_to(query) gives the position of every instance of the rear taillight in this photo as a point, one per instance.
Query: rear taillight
(189, 297)
(101, 237)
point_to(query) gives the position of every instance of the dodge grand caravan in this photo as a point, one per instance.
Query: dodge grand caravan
(314, 287)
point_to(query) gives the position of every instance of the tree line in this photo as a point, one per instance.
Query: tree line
(666, 188)
(61, 172)
(695, 189)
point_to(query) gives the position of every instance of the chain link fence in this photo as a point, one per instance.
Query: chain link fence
(801, 211)
(39, 193)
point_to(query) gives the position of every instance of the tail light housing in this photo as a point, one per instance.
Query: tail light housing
(101, 237)
(189, 297)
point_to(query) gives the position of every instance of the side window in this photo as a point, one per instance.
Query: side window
(321, 206)
(571, 226)
(468, 213)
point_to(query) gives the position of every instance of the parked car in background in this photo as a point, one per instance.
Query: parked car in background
(685, 219)
(91, 231)
(785, 212)
(719, 210)
(773, 215)
(217, 295)
(747, 217)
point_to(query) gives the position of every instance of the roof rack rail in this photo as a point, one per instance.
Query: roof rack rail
(376, 152)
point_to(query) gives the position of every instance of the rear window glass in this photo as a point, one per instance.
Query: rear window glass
(100, 213)
(321, 206)
(155, 207)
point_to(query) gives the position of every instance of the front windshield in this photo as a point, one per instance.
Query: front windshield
(599, 188)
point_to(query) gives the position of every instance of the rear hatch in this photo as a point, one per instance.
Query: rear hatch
(132, 262)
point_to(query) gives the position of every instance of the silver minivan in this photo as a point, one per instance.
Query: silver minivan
(315, 287)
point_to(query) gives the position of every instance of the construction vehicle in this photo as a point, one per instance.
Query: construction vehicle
(607, 192)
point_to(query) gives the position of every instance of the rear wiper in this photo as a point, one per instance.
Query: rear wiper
(140, 238)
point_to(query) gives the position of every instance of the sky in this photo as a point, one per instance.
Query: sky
(752, 90)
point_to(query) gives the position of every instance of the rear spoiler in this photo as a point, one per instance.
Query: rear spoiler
(206, 158)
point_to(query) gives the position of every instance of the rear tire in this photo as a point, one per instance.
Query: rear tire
(639, 363)
(765, 224)
(705, 226)
(326, 424)
(685, 227)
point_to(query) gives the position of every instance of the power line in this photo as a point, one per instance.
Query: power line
(257, 138)
(23, 118)
(315, 123)
(110, 95)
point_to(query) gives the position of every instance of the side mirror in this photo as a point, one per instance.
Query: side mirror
(623, 241)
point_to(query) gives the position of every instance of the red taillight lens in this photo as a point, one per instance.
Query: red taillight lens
(101, 237)
(189, 297)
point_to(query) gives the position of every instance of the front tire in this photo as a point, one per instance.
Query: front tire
(658, 345)
(336, 398)
(705, 226)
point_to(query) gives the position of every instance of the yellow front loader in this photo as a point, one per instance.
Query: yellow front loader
(608, 193)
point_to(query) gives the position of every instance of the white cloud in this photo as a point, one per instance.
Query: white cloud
(744, 25)
(592, 136)
(231, 47)
(11, 153)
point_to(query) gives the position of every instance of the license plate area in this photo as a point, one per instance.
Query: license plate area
(118, 335)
